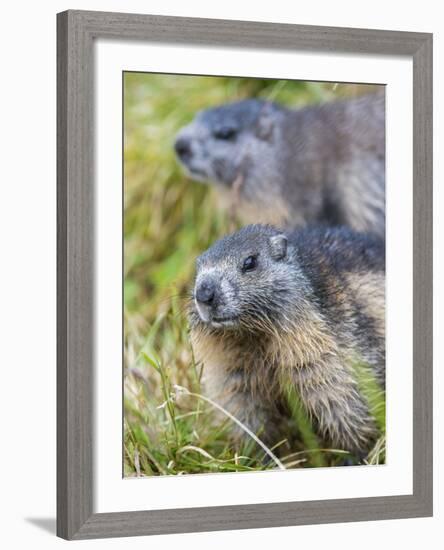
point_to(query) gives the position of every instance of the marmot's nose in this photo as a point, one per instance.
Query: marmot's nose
(205, 292)
(183, 148)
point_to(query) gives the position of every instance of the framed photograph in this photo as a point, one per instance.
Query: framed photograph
(244, 275)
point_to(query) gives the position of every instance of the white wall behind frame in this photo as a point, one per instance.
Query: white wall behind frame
(28, 272)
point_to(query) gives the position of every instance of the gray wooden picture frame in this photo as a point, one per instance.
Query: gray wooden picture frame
(76, 32)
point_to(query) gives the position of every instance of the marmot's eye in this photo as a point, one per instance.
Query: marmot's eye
(225, 132)
(249, 264)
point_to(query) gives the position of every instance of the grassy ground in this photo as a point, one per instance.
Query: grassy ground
(169, 427)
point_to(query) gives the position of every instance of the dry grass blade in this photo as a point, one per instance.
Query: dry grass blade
(251, 434)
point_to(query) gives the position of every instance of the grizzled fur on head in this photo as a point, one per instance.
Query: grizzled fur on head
(219, 143)
(246, 280)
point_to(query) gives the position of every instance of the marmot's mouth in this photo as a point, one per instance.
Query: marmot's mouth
(219, 322)
(197, 173)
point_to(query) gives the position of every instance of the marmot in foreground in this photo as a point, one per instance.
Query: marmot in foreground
(271, 310)
(322, 164)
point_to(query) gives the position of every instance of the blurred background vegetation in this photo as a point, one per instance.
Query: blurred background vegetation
(168, 221)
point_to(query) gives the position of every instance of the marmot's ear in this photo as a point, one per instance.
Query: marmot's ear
(278, 246)
(265, 124)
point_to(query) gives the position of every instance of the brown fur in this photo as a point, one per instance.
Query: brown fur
(248, 377)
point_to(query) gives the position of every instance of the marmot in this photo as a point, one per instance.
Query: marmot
(272, 309)
(320, 164)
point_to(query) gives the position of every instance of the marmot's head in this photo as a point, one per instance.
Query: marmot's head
(246, 281)
(226, 142)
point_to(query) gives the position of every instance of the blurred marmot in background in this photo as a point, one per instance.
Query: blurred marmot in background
(321, 164)
(273, 311)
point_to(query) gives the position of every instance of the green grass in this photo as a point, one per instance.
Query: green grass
(168, 221)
